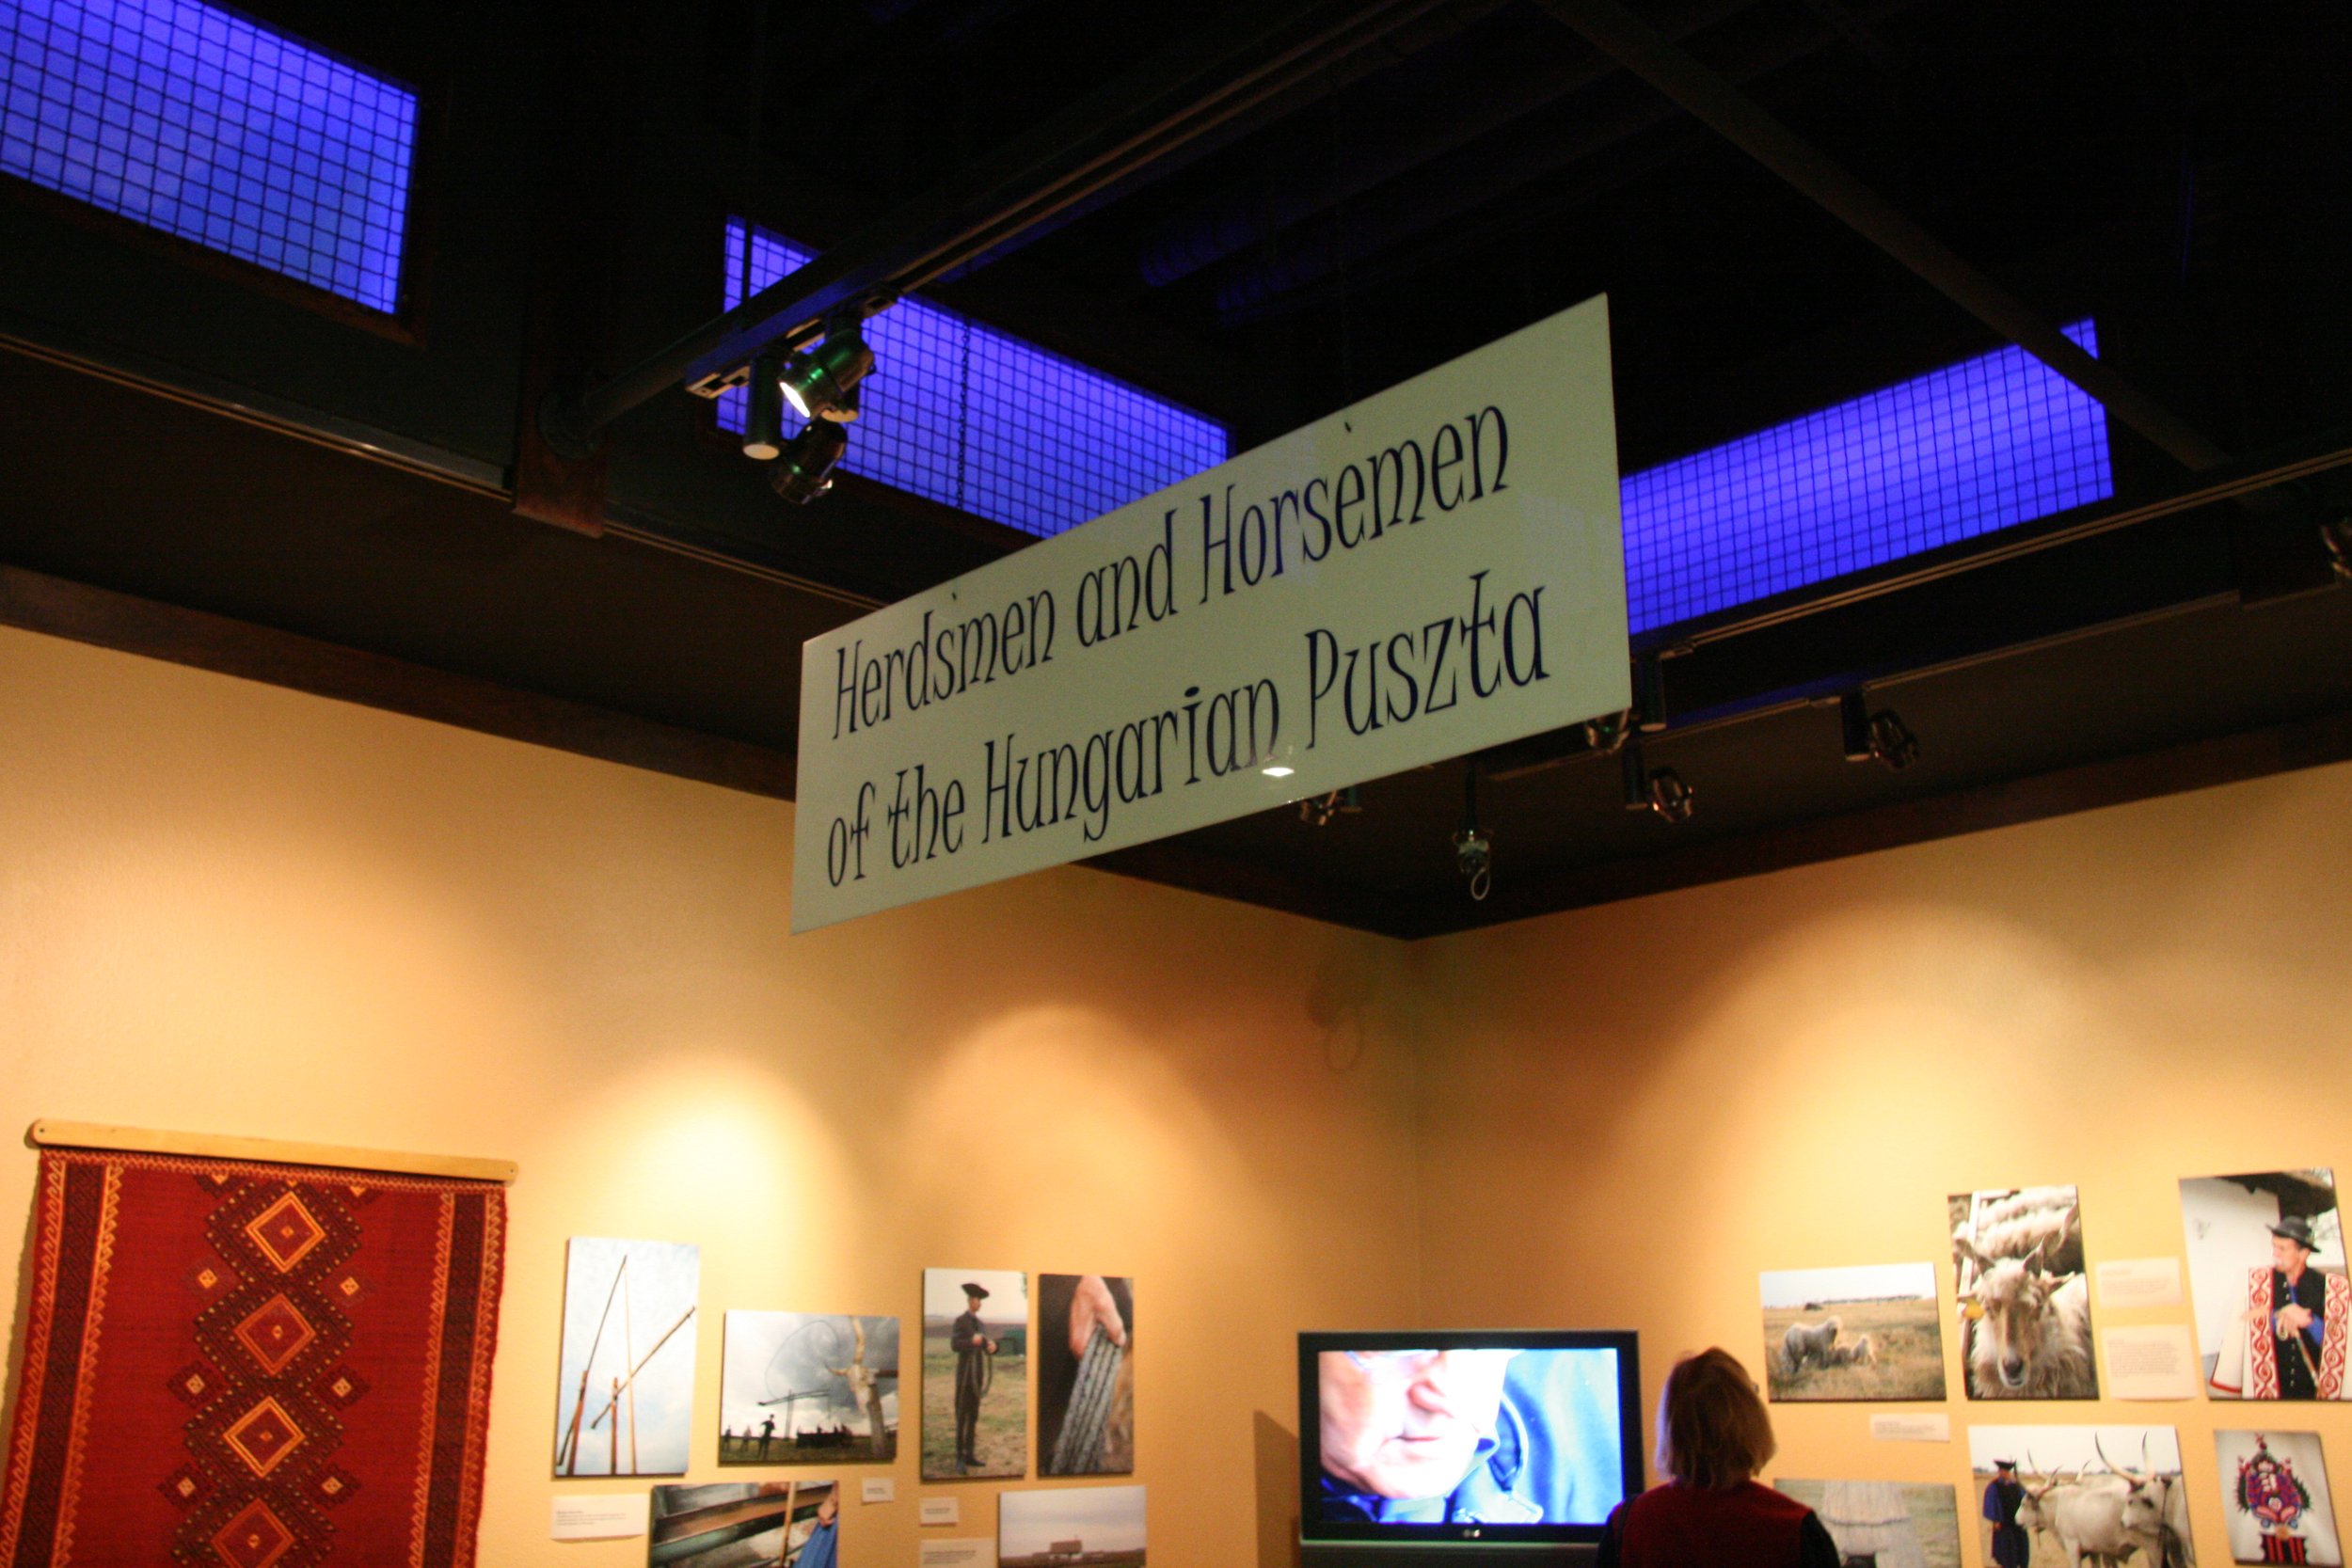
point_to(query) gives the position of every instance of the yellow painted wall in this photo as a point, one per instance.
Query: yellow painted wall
(231, 906)
(1629, 1112)
(228, 907)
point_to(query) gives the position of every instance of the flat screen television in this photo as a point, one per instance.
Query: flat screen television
(1484, 1445)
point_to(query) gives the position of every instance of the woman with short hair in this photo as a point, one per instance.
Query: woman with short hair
(1713, 1435)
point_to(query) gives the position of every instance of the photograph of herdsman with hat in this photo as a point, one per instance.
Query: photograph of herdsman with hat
(975, 1373)
(2267, 1267)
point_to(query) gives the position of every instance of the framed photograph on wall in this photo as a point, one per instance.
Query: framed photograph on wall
(2266, 1272)
(804, 1388)
(1871, 1331)
(1086, 1374)
(1884, 1523)
(975, 1373)
(2274, 1495)
(626, 1380)
(2025, 1304)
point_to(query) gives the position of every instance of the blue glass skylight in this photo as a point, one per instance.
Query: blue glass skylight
(194, 121)
(978, 420)
(1989, 442)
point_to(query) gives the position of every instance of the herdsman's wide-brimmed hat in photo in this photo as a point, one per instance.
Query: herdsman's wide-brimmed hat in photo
(2009, 1465)
(2295, 1229)
(972, 1289)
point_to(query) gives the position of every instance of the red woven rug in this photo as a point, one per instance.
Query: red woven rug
(251, 1366)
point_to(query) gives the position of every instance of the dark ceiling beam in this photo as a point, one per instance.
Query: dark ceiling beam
(1401, 125)
(1398, 46)
(1447, 189)
(1747, 125)
(1185, 91)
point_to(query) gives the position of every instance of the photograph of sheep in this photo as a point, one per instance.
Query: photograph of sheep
(1884, 1523)
(2267, 1271)
(2274, 1494)
(2064, 1497)
(2024, 1304)
(1873, 1332)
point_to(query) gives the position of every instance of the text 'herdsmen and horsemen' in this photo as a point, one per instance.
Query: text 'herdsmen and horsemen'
(1431, 571)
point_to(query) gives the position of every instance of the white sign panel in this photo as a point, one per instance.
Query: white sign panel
(1428, 571)
(596, 1515)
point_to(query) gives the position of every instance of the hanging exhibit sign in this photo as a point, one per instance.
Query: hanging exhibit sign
(1434, 570)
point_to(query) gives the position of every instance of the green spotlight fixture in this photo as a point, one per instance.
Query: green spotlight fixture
(822, 383)
(763, 414)
(805, 469)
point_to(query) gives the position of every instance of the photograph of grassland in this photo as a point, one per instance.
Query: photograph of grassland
(1868, 1333)
(1094, 1527)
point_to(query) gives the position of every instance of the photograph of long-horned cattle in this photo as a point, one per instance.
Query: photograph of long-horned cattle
(2025, 1306)
(806, 1388)
(1883, 1523)
(2274, 1495)
(1872, 1332)
(2267, 1270)
(1092, 1527)
(728, 1524)
(2073, 1497)
(975, 1373)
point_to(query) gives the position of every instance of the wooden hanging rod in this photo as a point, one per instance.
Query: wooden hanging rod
(49, 1133)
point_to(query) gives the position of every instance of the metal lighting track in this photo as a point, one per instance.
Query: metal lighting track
(1183, 93)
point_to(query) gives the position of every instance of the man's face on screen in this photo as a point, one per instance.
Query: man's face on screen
(1407, 1423)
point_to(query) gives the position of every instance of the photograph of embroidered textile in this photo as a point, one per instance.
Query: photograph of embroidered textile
(1873, 1332)
(2025, 1304)
(624, 1386)
(2267, 1274)
(802, 1388)
(1093, 1527)
(729, 1524)
(1086, 1374)
(2274, 1494)
(975, 1373)
(1885, 1524)
(2066, 1497)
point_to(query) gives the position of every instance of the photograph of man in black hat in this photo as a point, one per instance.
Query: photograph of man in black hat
(2274, 1307)
(975, 1373)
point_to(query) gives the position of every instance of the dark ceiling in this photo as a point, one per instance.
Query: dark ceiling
(2176, 170)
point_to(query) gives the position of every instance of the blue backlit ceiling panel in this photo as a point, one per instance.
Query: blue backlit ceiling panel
(1942, 457)
(196, 121)
(1978, 446)
(979, 420)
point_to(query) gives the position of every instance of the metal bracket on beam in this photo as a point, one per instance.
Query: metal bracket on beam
(1228, 69)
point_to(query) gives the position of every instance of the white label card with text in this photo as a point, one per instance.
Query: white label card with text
(942, 1511)
(2140, 1282)
(596, 1515)
(1437, 569)
(1912, 1428)
(978, 1552)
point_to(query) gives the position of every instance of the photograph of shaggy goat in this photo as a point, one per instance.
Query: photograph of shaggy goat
(2025, 1306)
(1867, 1333)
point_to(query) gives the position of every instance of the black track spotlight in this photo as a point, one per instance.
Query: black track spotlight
(1881, 738)
(1319, 810)
(1659, 790)
(805, 469)
(763, 414)
(1474, 848)
(2336, 533)
(822, 383)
